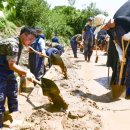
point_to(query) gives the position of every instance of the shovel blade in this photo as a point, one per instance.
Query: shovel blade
(55, 59)
(118, 91)
(50, 89)
(48, 86)
(58, 101)
(96, 60)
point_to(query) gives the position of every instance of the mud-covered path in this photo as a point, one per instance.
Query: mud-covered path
(86, 91)
(114, 114)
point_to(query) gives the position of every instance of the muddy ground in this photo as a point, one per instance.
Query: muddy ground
(87, 93)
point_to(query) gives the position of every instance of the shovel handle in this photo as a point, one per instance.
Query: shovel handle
(123, 62)
(36, 81)
(37, 52)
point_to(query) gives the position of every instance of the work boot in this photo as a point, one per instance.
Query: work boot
(88, 59)
(75, 56)
(85, 57)
(1, 119)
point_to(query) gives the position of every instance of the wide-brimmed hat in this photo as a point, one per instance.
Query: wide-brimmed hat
(99, 22)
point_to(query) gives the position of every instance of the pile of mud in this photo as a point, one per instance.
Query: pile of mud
(39, 113)
(82, 112)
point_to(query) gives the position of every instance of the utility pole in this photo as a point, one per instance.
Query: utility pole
(71, 2)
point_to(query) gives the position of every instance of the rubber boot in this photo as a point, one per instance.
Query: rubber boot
(88, 58)
(75, 55)
(85, 57)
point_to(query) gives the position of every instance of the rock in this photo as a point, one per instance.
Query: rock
(76, 114)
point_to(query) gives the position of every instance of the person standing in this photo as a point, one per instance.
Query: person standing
(88, 39)
(36, 61)
(10, 51)
(117, 28)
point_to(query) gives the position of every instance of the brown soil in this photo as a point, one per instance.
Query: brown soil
(87, 93)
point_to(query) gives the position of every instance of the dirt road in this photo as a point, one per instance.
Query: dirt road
(114, 115)
(86, 91)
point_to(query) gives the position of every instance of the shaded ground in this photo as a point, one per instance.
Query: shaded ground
(86, 91)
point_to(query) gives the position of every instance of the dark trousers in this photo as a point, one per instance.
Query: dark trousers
(9, 89)
(128, 78)
(88, 52)
(36, 65)
(74, 47)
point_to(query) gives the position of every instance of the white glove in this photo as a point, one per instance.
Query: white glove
(119, 50)
(30, 76)
(126, 36)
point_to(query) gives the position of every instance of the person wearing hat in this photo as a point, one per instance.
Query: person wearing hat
(119, 28)
(88, 39)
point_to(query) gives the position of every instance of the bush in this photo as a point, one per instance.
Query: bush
(30, 11)
(2, 24)
(7, 28)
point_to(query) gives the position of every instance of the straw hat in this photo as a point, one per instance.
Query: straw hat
(99, 21)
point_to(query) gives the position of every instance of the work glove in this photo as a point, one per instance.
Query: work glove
(126, 36)
(30, 76)
(119, 50)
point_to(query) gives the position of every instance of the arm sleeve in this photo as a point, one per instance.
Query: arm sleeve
(124, 22)
(42, 44)
(85, 28)
(12, 52)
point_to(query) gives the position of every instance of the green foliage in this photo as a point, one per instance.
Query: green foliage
(7, 27)
(2, 24)
(11, 16)
(30, 11)
(66, 21)
(55, 23)
(1, 5)
(10, 4)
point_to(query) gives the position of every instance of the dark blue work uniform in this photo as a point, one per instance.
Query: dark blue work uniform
(36, 63)
(88, 41)
(73, 44)
(9, 50)
(55, 39)
(50, 51)
(122, 27)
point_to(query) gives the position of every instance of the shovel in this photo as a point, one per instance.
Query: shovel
(96, 60)
(50, 89)
(55, 59)
(118, 90)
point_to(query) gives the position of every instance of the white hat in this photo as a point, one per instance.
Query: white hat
(126, 36)
(99, 21)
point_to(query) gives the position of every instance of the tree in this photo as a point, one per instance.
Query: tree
(10, 4)
(30, 11)
(1, 5)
